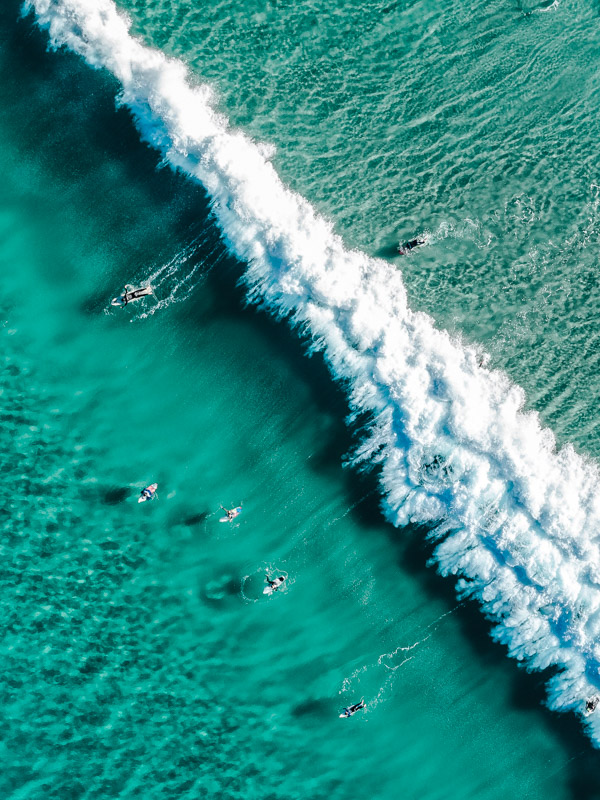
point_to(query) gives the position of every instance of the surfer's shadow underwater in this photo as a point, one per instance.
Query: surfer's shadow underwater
(193, 520)
(221, 591)
(320, 708)
(189, 527)
(114, 495)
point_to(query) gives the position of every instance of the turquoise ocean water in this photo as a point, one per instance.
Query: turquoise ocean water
(140, 657)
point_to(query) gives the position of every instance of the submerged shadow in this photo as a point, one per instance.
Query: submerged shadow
(93, 304)
(388, 251)
(196, 519)
(116, 495)
(320, 708)
(223, 590)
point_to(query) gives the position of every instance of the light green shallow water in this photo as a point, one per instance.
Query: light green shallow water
(477, 123)
(140, 658)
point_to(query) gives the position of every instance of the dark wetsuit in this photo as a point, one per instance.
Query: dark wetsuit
(408, 246)
(591, 704)
(353, 709)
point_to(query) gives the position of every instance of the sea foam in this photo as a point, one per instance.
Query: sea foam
(517, 520)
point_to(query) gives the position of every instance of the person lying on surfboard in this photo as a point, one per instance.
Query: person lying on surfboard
(591, 704)
(149, 493)
(408, 246)
(353, 709)
(275, 583)
(232, 512)
(130, 294)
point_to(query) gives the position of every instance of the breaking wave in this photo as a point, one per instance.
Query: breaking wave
(517, 519)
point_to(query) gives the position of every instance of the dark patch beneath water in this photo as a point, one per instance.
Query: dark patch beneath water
(116, 495)
(196, 519)
(314, 707)
(221, 589)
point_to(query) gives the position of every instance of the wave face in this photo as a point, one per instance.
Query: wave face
(516, 519)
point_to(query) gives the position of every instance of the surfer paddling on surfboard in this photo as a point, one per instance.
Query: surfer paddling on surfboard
(348, 712)
(130, 294)
(591, 704)
(405, 248)
(149, 493)
(274, 584)
(231, 513)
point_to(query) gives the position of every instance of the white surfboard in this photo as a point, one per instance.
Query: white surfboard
(270, 589)
(347, 716)
(132, 295)
(236, 511)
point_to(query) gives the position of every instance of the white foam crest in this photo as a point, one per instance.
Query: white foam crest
(518, 521)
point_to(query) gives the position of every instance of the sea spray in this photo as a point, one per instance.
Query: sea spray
(517, 519)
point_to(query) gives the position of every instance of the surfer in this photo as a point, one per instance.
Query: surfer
(591, 704)
(408, 246)
(348, 712)
(130, 294)
(275, 583)
(149, 493)
(231, 513)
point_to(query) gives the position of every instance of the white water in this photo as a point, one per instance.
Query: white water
(517, 520)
